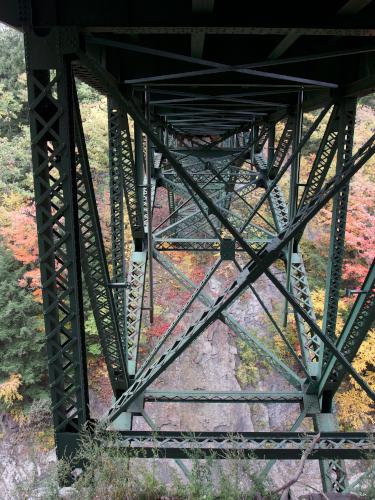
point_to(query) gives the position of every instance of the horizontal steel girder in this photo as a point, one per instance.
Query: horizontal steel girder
(202, 245)
(222, 397)
(261, 445)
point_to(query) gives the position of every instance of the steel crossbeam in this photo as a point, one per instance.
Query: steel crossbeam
(201, 245)
(263, 445)
(222, 397)
(242, 176)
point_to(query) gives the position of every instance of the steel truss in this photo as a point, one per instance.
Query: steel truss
(224, 195)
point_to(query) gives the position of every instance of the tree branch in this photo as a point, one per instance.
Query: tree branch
(285, 487)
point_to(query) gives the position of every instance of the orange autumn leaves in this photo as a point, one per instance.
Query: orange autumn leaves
(20, 235)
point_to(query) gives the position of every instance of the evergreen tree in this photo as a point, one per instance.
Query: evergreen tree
(21, 330)
(13, 108)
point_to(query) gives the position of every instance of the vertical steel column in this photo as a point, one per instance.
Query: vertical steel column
(271, 145)
(94, 266)
(323, 159)
(130, 172)
(252, 140)
(333, 471)
(340, 205)
(359, 321)
(293, 190)
(117, 217)
(309, 342)
(137, 265)
(49, 80)
(139, 166)
(172, 207)
(282, 147)
(149, 175)
(258, 143)
(127, 171)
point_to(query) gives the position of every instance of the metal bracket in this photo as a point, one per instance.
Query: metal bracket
(227, 249)
(45, 51)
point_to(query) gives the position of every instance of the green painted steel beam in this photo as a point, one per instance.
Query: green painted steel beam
(49, 84)
(323, 159)
(261, 445)
(116, 184)
(94, 265)
(346, 126)
(127, 167)
(200, 245)
(134, 305)
(333, 471)
(283, 146)
(152, 396)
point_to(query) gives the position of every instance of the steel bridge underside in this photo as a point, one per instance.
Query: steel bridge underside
(206, 104)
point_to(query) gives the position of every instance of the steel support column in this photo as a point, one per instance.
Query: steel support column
(50, 87)
(95, 269)
(117, 218)
(340, 204)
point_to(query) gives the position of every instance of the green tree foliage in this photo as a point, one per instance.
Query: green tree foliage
(13, 109)
(15, 171)
(21, 330)
(22, 343)
(15, 159)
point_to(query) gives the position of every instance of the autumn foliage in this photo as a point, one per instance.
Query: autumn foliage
(20, 236)
(9, 390)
